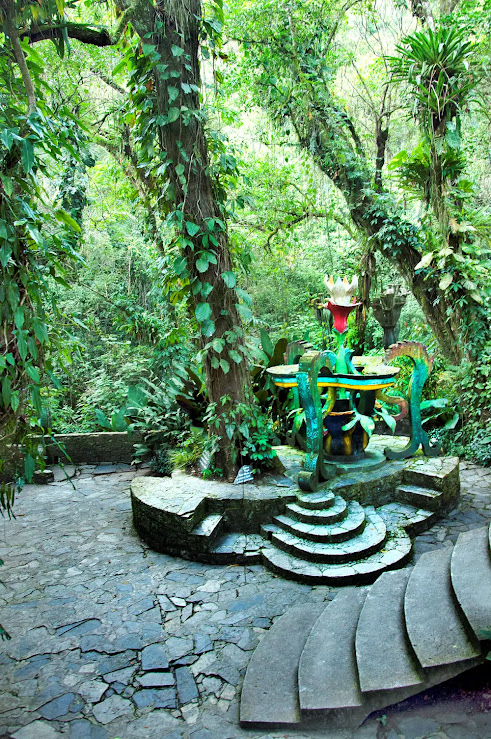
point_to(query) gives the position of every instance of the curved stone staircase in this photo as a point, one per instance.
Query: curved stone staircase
(374, 646)
(322, 538)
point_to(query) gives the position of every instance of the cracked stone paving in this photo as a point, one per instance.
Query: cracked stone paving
(110, 639)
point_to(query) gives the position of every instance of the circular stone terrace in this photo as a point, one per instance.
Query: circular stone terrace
(357, 525)
(111, 639)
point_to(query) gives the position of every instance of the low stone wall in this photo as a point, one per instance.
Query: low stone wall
(105, 446)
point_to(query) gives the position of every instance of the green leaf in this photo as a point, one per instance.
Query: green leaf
(229, 279)
(244, 311)
(27, 155)
(192, 228)
(33, 373)
(235, 356)
(119, 67)
(367, 423)
(173, 92)
(389, 420)
(29, 467)
(36, 399)
(5, 254)
(218, 345)
(425, 261)
(41, 330)
(203, 312)
(180, 266)
(102, 419)
(176, 50)
(208, 328)
(266, 343)
(350, 424)
(206, 289)
(8, 185)
(6, 390)
(6, 138)
(202, 264)
(62, 216)
(147, 49)
(173, 115)
(446, 281)
(14, 400)
(19, 317)
(224, 365)
(244, 296)
(22, 344)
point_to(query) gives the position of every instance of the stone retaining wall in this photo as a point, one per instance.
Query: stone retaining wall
(105, 446)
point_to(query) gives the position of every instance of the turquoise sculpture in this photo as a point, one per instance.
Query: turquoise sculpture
(330, 388)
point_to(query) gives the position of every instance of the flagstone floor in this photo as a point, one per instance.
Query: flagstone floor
(110, 639)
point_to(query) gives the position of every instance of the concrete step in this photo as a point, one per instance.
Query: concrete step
(414, 520)
(384, 656)
(270, 691)
(435, 625)
(471, 579)
(268, 529)
(347, 528)
(237, 548)
(208, 531)
(395, 552)
(418, 497)
(335, 512)
(327, 673)
(438, 473)
(320, 499)
(370, 540)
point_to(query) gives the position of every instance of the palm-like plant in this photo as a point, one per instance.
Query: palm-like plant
(439, 71)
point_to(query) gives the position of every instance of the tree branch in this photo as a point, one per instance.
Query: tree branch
(79, 31)
(11, 31)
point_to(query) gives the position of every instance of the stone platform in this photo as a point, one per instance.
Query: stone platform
(355, 527)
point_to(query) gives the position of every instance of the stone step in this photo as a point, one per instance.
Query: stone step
(395, 552)
(327, 673)
(437, 473)
(370, 540)
(208, 530)
(470, 571)
(320, 499)
(435, 625)
(268, 529)
(419, 497)
(414, 520)
(384, 656)
(237, 548)
(270, 691)
(335, 512)
(350, 526)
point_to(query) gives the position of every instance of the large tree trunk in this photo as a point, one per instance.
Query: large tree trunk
(177, 24)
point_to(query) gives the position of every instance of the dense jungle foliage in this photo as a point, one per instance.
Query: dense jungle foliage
(176, 178)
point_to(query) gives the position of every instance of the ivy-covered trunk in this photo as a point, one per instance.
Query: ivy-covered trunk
(195, 202)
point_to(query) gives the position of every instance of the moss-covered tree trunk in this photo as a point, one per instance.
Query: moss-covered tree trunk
(173, 28)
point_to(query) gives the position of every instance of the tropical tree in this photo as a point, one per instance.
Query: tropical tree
(186, 166)
(290, 58)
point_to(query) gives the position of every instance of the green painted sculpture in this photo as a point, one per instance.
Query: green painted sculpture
(422, 366)
(315, 468)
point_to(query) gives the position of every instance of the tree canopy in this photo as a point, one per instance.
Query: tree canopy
(176, 178)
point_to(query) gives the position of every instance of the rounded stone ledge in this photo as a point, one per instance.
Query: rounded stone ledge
(191, 517)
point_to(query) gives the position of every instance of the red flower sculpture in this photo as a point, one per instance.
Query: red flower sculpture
(340, 314)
